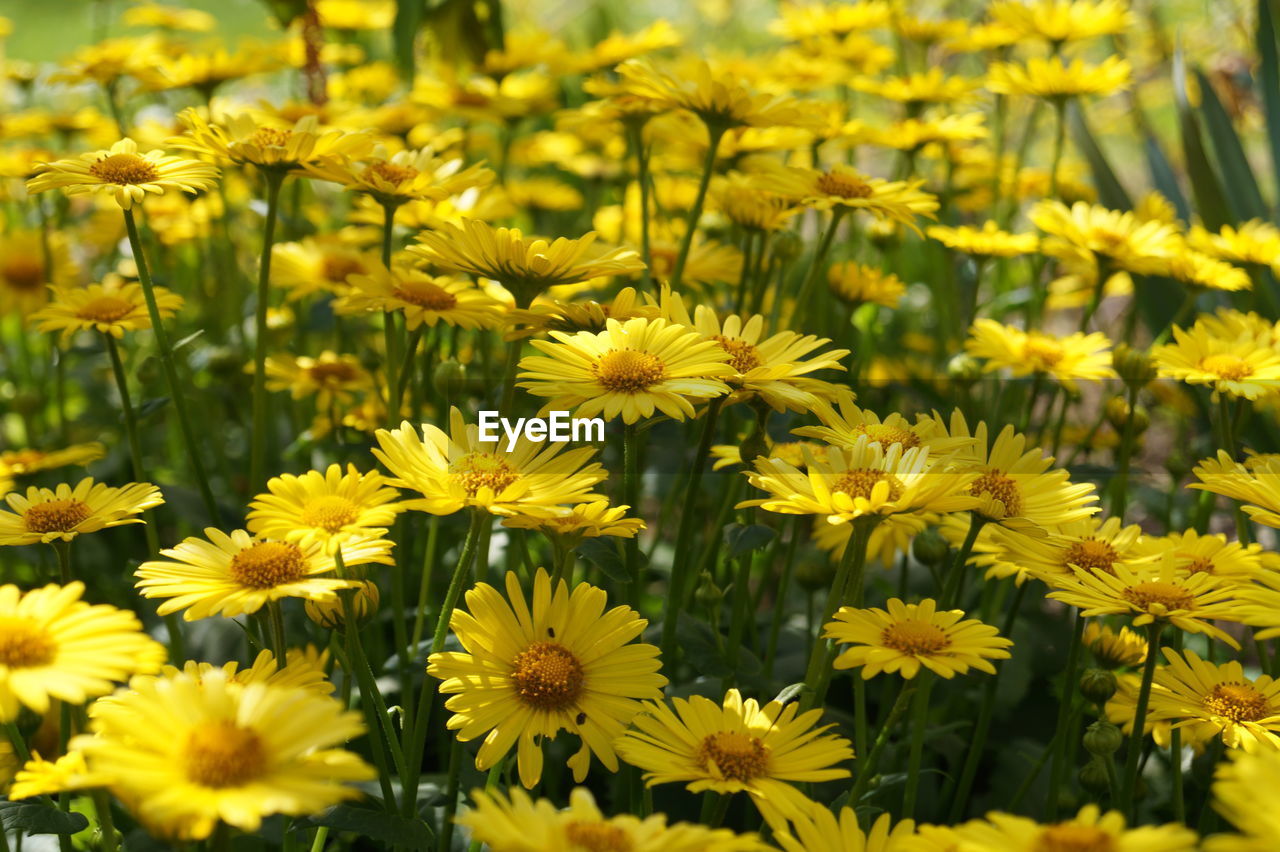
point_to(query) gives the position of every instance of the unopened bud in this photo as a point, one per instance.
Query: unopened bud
(708, 593)
(929, 547)
(1103, 738)
(964, 369)
(1117, 411)
(449, 378)
(1134, 366)
(332, 614)
(1098, 685)
(1094, 777)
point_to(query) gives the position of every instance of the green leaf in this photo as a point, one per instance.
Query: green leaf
(149, 407)
(1110, 191)
(35, 818)
(742, 539)
(700, 646)
(789, 693)
(1268, 78)
(1233, 164)
(603, 552)
(404, 33)
(1163, 176)
(378, 825)
(1206, 187)
(189, 339)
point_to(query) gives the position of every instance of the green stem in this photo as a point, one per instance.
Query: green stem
(177, 391)
(1067, 702)
(847, 588)
(1059, 138)
(867, 766)
(1129, 780)
(322, 834)
(445, 842)
(631, 497)
(258, 448)
(780, 597)
(955, 579)
(1120, 488)
(714, 134)
(63, 549)
(816, 264)
(642, 178)
(915, 758)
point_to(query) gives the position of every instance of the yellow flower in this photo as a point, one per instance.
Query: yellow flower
(816, 829)
(856, 283)
(524, 266)
(57, 646)
(268, 144)
(1212, 554)
(1077, 357)
(304, 667)
(320, 264)
(1086, 232)
(60, 514)
(1055, 78)
(716, 97)
(588, 315)
(24, 271)
(237, 574)
(908, 636)
(421, 297)
(1090, 829)
(1058, 21)
(843, 187)
(456, 470)
(1216, 700)
(737, 747)
(1114, 649)
(206, 69)
(1240, 367)
(844, 426)
(110, 60)
(393, 179)
(1254, 242)
(1198, 269)
(529, 672)
(629, 370)
(109, 309)
(186, 753)
(1088, 543)
(68, 773)
(1257, 485)
(124, 174)
(912, 134)
(987, 241)
(799, 21)
(21, 462)
(708, 263)
(512, 822)
(740, 201)
(934, 86)
(354, 15)
(571, 524)
(329, 508)
(148, 14)
(330, 376)
(1242, 793)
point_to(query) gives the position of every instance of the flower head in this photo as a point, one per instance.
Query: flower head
(62, 513)
(905, 637)
(124, 173)
(268, 144)
(421, 297)
(106, 309)
(1076, 357)
(330, 507)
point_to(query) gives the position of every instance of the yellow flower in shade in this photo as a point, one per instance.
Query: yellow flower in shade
(1076, 357)
(57, 646)
(318, 265)
(905, 637)
(629, 370)
(926, 31)
(1197, 269)
(743, 203)
(329, 376)
(799, 21)
(571, 524)
(185, 753)
(987, 241)
(912, 134)
(206, 69)
(588, 315)
(237, 574)
(729, 455)
(708, 263)
(1095, 235)
(329, 508)
(857, 283)
(1150, 592)
(25, 461)
(890, 539)
(525, 266)
(1090, 829)
(393, 179)
(124, 174)
(1089, 543)
(1114, 649)
(1242, 793)
(1055, 78)
(843, 427)
(921, 87)
(737, 747)
(817, 829)
(1216, 700)
(24, 272)
(512, 822)
(1058, 21)
(99, 307)
(62, 513)
(716, 96)
(528, 672)
(421, 297)
(1240, 367)
(1256, 485)
(843, 187)
(1255, 243)
(455, 470)
(1212, 553)
(270, 144)
(865, 479)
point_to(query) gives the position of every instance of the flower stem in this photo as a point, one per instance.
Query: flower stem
(816, 264)
(714, 134)
(258, 448)
(919, 721)
(780, 596)
(1120, 487)
(631, 497)
(867, 765)
(1059, 138)
(1061, 735)
(1129, 781)
(955, 579)
(636, 131)
(176, 392)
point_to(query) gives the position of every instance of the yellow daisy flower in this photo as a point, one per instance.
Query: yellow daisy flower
(1114, 649)
(1055, 78)
(571, 524)
(320, 264)
(513, 822)
(1240, 367)
(743, 203)
(1089, 829)
(24, 272)
(68, 773)
(1058, 21)
(987, 241)
(331, 613)
(269, 144)
(629, 370)
(124, 174)
(329, 508)
(455, 470)
(1212, 553)
(148, 14)
(1254, 242)
(393, 179)
(29, 460)
(817, 829)
(421, 297)
(1091, 544)
(905, 637)
(843, 427)
(857, 283)
(329, 376)
(912, 134)
(738, 747)
(716, 97)
(708, 263)
(57, 646)
(1241, 793)
(1214, 700)
(918, 88)
(186, 753)
(99, 307)
(1197, 269)
(62, 513)
(799, 21)
(528, 672)
(1076, 357)
(237, 574)
(587, 315)
(1256, 485)
(304, 668)
(842, 186)
(1087, 232)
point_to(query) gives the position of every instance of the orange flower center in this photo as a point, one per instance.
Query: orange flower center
(221, 754)
(124, 170)
(888, 435)
(332, 372)
(1239, 702)
(22, 272)
(267, 564)
(743, 356)
(1200, 565)
(597, 837)
(55, 516)
(389, 172)
(1091, 554)
(629, 371)
(329, 512)
(425, 294)
(1066, 837)
(860, 482)
(1158, 595)
(336, 268)
(999, 486)
(916, 638)
(270, 137)
(481, 470)
(1227, 366)
(105, 309)
(547, 676)
(24, 645)
(737, 756)
(844, 185)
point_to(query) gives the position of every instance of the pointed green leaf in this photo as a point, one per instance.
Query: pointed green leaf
(1110, 191)
(36, 818)
(1268, 79)
(404, 33)
(1206, 187)
(1233, 164)
(1164, 178)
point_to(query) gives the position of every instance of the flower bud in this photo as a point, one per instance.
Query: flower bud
(449, 378)
(1098, 685)
(708, 593)
(787, 246)
(1117, 411)
(929, 547)
(331, 614)
(1133, 365)
(1093, 777)
(1103, 738)
(964, 369)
